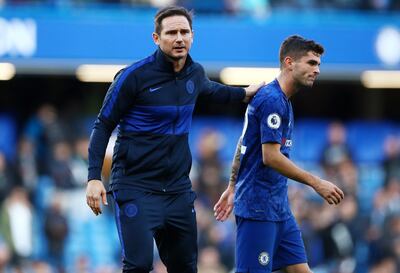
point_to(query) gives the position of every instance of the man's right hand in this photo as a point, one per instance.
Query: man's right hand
(251, 90)
(224, 206)
(95, 192)
(329, 191)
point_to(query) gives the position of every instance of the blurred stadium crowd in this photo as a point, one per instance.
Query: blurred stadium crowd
(226, 6)
(46, 227)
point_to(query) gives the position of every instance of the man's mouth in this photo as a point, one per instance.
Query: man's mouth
(179, 47)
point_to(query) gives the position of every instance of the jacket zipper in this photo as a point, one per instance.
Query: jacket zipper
(176, 108)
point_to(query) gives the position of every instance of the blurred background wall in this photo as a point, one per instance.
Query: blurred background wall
(58, 56)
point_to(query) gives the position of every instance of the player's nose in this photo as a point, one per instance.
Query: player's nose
(179, 37)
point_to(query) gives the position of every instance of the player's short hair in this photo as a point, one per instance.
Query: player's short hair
(296, 47)
(168, 12)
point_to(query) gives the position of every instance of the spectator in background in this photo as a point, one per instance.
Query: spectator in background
(384, 230)
(386, 202)
(56, 231)
(336, 150)
(60, 167)
(209, 180)
(16, 225)
(383, 227)
(5, 256)
(221, 236)
(8, 177)
(27, 165)
(79, 163)
(341, 234)
(385, 247)
(209, 261)
(44, 130)
(337, 160)
(391, 162)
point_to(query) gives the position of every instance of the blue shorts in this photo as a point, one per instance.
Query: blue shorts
(265, 246)
(168, 218)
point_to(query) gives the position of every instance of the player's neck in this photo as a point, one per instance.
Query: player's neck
(178, 64)
(287, 84)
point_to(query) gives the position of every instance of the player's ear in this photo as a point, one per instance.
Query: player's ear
(156, 38)
(192, 35)
(288, 61)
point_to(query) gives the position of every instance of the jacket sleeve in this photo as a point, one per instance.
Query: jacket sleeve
(220, 93)
(119, 98)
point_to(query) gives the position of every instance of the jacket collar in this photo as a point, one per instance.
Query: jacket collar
(166, 65)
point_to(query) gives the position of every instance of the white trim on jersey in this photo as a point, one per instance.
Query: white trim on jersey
(245, 124)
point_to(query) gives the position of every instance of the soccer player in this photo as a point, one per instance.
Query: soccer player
(268, 237)
(152, 102)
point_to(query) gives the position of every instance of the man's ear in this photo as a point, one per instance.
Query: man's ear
(288, 61)
(156, 38)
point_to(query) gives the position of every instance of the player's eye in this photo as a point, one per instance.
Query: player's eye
(313, 63)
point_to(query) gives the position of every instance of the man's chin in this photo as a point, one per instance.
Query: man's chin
(306, 85)
(177, 57)
(309, 84)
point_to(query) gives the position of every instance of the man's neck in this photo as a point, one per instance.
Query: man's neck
(178, 64)
(287, 84)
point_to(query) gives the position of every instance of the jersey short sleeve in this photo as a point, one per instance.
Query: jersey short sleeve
(272, 112)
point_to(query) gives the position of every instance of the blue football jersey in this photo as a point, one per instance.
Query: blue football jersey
(261, 192)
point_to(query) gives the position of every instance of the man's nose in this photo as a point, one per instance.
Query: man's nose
(179, 37)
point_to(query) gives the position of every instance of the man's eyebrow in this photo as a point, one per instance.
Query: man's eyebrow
(176, 30)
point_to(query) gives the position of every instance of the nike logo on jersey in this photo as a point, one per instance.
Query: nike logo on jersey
(155, 88)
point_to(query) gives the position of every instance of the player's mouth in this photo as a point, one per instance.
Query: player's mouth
(179, 48)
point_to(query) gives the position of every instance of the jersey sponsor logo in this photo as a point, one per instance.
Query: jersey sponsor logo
(286, 142)
(274, 121)
(152, 89)
(131, 210)
(263, 258)
(190, 86)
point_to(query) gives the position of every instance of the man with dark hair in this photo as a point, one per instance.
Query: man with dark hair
(152, 102)
(171, 11)
(268, 237)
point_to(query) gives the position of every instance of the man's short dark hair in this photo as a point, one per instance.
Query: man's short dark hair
(168, 12)
(296, 47)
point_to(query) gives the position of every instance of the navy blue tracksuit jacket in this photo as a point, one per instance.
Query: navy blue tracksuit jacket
(152, 106)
